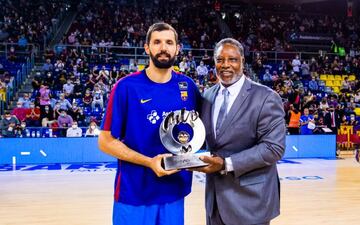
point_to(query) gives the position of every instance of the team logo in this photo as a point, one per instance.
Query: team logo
(153, 117)
(183, 86)
(184, 95)
(142, 101)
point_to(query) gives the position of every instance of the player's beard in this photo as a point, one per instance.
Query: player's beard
(163, 64)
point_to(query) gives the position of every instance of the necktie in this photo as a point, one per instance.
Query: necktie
(223, 110)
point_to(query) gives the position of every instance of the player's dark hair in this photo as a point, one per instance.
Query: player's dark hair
(160, 27)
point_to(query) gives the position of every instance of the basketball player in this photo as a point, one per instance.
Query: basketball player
(145, 193)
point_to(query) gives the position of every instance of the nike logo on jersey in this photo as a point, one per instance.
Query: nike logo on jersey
(142, 101)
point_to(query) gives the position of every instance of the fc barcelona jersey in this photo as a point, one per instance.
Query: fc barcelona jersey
(134, 113)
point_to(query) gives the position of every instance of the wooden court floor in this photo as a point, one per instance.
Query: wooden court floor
(313, 191)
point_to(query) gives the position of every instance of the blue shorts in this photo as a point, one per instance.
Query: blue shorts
(162, 214)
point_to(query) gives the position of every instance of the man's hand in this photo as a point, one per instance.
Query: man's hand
(216, 164)
(155, 165)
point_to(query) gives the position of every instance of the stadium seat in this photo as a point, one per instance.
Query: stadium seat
(357, 111)
(343, 76)
(352, 77)
(323, 77)
(338, 77)
(329, 83)
(337, 83)
(336, 89)
(141, 67)
(330, 77)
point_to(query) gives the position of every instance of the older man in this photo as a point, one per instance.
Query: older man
(245, 132)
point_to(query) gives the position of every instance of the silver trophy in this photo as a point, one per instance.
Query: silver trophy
(183, 133)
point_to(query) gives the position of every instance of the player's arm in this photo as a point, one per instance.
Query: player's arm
(114, 147)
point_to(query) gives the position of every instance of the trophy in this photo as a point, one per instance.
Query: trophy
(183, 133)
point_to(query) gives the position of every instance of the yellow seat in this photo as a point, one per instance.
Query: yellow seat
(338, 77)
(330, 77)
(176, 68)
(357, 111)
(336, 89)
(141, 67)
(343, 76)
(352, 77)
(323, 77)
(329, 83)
(337, 82)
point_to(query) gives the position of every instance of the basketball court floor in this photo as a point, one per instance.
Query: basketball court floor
(313, 191)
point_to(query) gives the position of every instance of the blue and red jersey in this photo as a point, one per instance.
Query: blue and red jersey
(134, 113)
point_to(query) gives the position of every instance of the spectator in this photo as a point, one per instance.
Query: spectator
(353, 122)
(56, 109)
(48, 66)
(25, 100)
(21, 130)
(64, 120)
(64, 103)
(294, 120)
(19, 112)
(92, 130)
(296, 65)
(8, 125)
(47, 116)
(49, 80)
(80, 117)
(74, 130)
(45, 96)
(324, 104)
(68, 88)
(36, 81)
(307, 122)
(345, 86)
(332, 119)
(78, 89)
(202, 73)
(33, 116)
(87, 99)
(98, 97)
(313, 85)
(183, 66)
(267, 78)
(305, 70)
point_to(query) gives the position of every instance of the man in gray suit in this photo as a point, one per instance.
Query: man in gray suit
(245, 132)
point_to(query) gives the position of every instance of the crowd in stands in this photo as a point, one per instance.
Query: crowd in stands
(102, 24)
(25, 22)
(310, 103)
(262, 30)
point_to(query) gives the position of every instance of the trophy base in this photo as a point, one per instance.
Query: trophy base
(184, 161)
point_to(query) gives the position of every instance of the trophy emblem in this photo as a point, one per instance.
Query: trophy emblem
(182, 133)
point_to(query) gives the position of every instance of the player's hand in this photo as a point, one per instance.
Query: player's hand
(155, 165)
(216, 164)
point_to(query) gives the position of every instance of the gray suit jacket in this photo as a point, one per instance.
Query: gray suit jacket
(253, 135)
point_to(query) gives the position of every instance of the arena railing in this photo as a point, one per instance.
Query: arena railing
(44, 132)
(18, 80)
(24, 51)
(139, 52)
(122, 52)
(277, 57)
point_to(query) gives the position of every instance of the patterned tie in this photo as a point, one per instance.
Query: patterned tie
(223, 110)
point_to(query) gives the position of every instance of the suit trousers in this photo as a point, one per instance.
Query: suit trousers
(215, 218)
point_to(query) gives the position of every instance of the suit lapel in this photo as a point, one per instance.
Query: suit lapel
(235, 108)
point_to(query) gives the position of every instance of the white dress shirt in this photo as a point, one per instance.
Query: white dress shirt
(234, 91)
